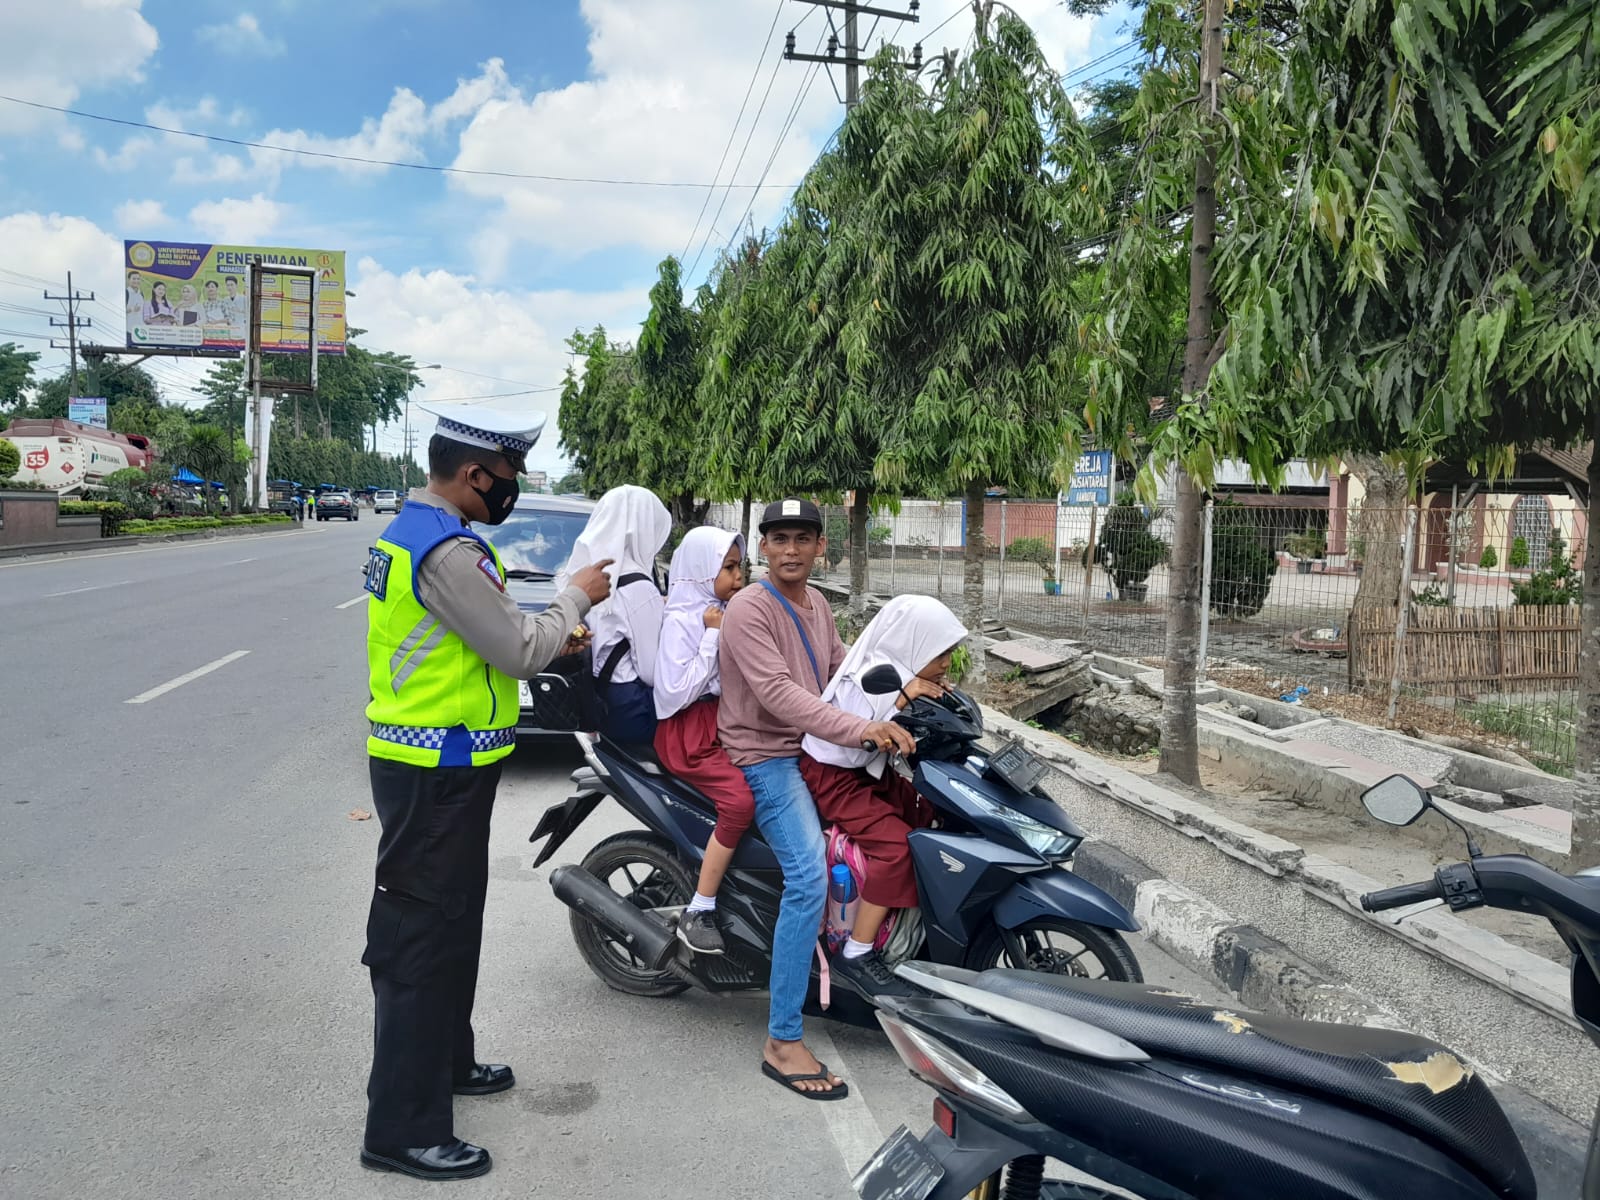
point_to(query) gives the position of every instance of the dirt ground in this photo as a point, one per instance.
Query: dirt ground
(1385, 854)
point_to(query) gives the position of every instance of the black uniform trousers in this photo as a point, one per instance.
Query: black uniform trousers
(423, 937)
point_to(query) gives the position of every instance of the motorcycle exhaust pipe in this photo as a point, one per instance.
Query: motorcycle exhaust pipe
(652, 942)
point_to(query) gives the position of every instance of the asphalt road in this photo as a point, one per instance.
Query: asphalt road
(184, 898)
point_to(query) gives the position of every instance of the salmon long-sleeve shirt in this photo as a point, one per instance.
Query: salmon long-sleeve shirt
(771, 697)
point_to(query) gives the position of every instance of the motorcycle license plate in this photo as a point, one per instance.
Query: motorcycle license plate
(902, 1169)
(524, 694)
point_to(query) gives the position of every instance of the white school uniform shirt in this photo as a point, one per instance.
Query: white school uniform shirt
(686, 657)
(908, 634)
(629, 525)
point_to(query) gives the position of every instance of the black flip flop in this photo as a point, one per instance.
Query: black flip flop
(837, 1092)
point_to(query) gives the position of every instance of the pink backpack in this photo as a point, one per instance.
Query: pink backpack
(908, 920)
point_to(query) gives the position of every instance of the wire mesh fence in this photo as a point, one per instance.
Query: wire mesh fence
(1299, 594)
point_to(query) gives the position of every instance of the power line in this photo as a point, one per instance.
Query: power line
(743, 150)
(1109, 54)
(371, 162)
(732, 133)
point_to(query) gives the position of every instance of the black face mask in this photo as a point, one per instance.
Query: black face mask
(499, 498)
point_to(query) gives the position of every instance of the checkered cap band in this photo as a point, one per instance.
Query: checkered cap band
(425, 737)
(478, 436)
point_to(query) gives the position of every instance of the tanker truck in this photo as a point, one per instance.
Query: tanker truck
(72, 459)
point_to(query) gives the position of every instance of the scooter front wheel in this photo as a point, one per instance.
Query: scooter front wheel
(1059, 947)
(645, 872)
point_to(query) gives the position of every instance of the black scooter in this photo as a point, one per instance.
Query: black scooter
(1171, 1098)
(991, 879)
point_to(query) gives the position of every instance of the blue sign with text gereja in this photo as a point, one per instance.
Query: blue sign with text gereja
(1091, 478)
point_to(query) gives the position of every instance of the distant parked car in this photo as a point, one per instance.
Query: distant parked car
(386, 501)
(337, 504)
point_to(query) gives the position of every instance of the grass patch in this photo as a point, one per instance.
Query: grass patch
(191, 524)
(1546, 731)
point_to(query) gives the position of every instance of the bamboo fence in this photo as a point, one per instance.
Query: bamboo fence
(1464, 651)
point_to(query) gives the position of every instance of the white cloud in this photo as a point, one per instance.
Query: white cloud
(141, 218)
(242, 35)
(47, 246)
(244, 222)
(645, 114)
(57, 51)
(441, 317)
(397, 136)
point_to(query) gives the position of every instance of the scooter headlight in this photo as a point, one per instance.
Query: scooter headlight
(1040, 838)
(931, 1061)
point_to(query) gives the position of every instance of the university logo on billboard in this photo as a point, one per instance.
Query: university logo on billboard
(197, 295)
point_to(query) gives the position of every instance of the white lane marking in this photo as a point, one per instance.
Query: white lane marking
(238, 561)
(49, 557)
(76, 591)
(190, 677)
(352, 603)
(855, 1133)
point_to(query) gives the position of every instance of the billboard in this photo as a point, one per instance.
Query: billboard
(87, 410)
(1091, 478)
(187, 294)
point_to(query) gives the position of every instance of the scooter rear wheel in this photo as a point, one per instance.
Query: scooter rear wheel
(1061, 947)
(645, 872)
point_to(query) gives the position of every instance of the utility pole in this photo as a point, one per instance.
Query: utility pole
(1180, 752)
(851, 59)
(72, 324)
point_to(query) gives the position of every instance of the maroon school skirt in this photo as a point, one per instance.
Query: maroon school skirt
(877, 814)
(687, 745)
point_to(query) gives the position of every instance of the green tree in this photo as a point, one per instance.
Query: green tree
(967, 213)
(16, 374)
(209, 453)
(10, 459)
(570, 484)
(593, 417)
(1431, 288)
(120, 383)
(665, 426)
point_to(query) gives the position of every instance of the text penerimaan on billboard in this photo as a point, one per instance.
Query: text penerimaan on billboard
(184, 294)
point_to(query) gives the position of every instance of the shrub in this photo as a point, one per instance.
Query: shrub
(1242, 566)
(1431, 597)
(1558, 583)
(837, 531)
(111, 513)
(1518, 558)
(1035, 550)
(135, 490)
(1127, 549)
(1312, 544)
(10, 459)
(1489, 559)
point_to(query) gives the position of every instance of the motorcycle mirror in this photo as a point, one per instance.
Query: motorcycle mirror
(882, 680)
(1397, 800)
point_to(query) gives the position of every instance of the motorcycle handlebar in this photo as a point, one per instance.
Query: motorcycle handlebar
(1399, 897)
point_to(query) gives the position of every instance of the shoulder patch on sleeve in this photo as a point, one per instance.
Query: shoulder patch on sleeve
(486, 565)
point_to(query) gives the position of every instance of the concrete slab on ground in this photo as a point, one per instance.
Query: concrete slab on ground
(1400, 754)
(1029, 659)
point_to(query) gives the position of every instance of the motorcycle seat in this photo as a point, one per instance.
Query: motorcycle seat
(643, 757)
(1399, 1076)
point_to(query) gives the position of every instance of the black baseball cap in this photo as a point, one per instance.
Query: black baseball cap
(790, 512)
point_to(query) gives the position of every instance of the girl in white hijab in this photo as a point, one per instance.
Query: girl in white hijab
(853, 788)
(706, 571)
(629, 525)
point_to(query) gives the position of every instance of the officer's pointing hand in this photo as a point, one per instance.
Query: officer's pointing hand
(593, 581)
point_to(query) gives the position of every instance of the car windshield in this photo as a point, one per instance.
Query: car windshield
(537, 540)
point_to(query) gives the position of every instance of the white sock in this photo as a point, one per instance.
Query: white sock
(855, 949)
(702, 903)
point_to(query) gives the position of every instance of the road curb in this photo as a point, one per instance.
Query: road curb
(1267, 975)
(65, 549)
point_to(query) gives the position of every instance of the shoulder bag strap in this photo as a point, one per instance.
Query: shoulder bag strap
(799, 628)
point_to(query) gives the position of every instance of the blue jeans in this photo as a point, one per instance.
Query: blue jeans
(787, 817)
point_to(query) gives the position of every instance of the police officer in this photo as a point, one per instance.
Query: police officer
(445, 649)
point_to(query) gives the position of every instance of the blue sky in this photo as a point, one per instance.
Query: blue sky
(485, 276)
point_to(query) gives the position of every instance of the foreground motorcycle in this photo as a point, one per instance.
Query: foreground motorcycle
(1171, 1098)
(991, 879)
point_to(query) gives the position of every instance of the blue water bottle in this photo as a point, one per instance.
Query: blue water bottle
(842, 905)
